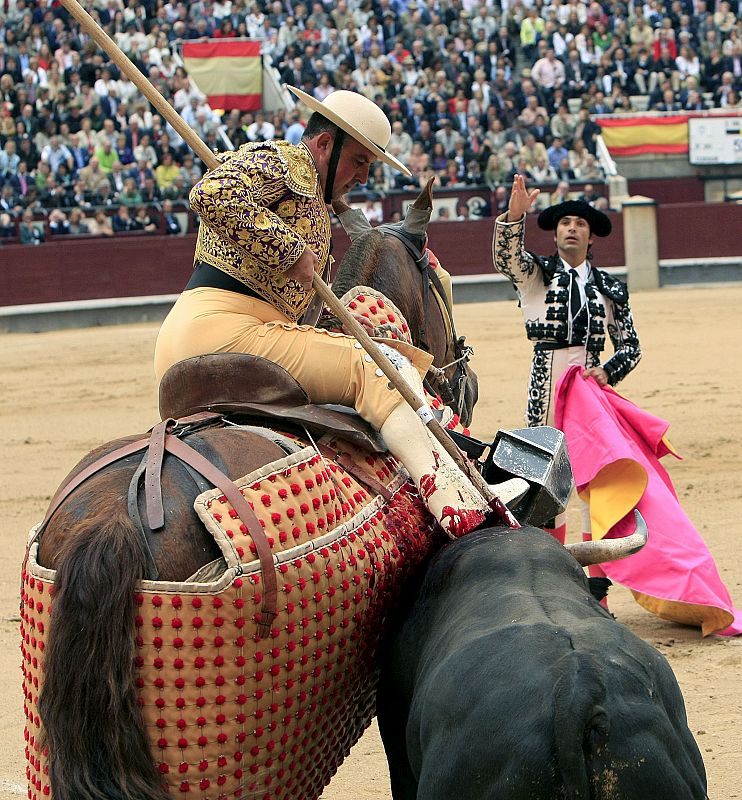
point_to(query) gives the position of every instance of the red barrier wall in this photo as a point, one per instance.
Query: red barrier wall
(678, 190)
(131, 265)
(699, 230)
(127, 265)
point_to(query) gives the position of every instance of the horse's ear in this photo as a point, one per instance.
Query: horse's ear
(416, 219)
(339, 205)
(353, 220)
(424, 200)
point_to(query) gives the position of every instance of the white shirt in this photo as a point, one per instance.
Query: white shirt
(583, 273)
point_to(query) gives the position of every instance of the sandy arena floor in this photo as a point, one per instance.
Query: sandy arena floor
(65, 392)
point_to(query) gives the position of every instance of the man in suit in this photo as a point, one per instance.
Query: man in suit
(116, 178)
(172, 224)
(297, 73)
(576, 74)
(80, 154)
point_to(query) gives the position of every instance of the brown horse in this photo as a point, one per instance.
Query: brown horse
(392, 259)
(101, 550)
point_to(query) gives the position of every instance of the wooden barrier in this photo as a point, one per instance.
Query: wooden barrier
(144, 265)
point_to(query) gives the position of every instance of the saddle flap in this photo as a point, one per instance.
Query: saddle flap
(258, 389)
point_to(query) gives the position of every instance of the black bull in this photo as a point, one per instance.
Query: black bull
(507, 680)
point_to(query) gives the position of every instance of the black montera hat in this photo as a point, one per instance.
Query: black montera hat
(599, 223)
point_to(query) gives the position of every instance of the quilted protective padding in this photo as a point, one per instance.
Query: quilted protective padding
(230, 715)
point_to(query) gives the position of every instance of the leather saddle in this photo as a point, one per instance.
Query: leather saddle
(253, 388)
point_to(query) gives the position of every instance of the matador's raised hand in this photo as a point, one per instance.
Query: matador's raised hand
(521, 200)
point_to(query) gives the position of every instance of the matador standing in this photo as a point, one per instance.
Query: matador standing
(568, 305)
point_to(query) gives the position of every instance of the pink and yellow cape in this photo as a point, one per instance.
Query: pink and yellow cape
(615, 449)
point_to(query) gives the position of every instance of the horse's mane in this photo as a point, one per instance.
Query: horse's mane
(358, 263)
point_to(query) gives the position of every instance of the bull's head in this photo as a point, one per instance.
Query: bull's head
(588, 553)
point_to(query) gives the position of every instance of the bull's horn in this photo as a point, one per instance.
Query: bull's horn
(587, 553)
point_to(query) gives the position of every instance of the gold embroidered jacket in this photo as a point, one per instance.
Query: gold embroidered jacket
(259, 209)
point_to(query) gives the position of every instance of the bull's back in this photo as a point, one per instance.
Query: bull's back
(508, 681)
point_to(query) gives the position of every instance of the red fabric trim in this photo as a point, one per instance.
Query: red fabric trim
(621, 122)
(243, 102)
(641, 149)
(222, 47)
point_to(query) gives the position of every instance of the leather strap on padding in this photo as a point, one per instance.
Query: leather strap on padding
(184, 452)
(152, 482)
(65, 491)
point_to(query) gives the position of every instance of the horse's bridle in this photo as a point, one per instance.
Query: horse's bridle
(452, 391)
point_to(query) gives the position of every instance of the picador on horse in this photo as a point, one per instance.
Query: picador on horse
(264, 208)
(202, 606)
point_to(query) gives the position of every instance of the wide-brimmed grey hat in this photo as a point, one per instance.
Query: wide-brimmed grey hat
(369, 124)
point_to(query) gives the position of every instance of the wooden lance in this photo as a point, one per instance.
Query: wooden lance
(122, 61)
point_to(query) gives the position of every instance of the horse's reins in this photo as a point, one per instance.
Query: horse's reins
(167, 437)
(462, 351)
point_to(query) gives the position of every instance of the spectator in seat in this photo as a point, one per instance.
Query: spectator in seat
(668, 102)
(7, 226)
(140, 172)
(144, 151)
(117, 178)
(532, 150)
(556, 152)
(93, 177)
(123, 151)
(693, 101)
(726, 88)
(560, 194)
(589, 195)
(80, 154)
(643, 70)
(166, 146)
(77, 224)
(106, 156)
(463, 212)
(9, 159)
(58, 223)
(178, 190)
(166, 172)
(122, 221)
(665, 69)
(543, 172)
(190, 171)
(502, 199)
(28, 231)
(56, 153)
(53, 195)
(145, 221)
(590, 169)
(495, 172)
(130, 195)
(150, 192)
(170, 220)
(541, 130)
(101, 224)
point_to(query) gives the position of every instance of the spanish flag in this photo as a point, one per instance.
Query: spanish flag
(227, 71)
(637, 135)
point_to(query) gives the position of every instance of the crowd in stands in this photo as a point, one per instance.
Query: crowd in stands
(475, 91)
